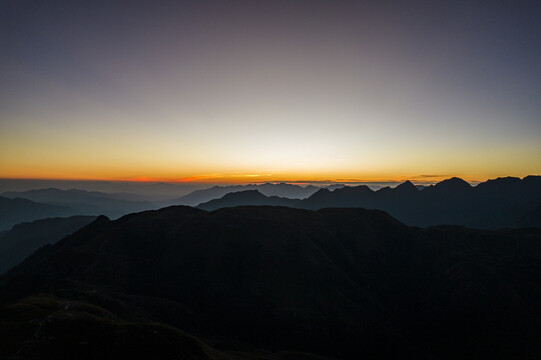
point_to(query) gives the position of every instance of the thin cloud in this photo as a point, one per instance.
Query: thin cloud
(432, 176)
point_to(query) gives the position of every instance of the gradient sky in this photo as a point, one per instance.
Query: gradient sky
(248, 91)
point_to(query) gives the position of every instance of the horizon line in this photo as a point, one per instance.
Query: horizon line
(419, 180)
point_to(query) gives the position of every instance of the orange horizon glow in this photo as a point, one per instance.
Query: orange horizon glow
(254, 179)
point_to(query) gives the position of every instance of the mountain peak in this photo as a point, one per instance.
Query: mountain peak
(453, 183)
(406, 186)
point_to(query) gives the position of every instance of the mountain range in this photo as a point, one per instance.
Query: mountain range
(17, 210)
(499, 203)
(275, 283)
(284, 190)
(493, 204)
(82, 202)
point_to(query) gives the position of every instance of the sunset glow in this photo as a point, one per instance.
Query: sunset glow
(311, 93)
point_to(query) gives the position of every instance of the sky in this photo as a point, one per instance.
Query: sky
(249, 91)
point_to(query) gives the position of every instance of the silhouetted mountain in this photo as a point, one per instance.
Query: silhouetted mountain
(247, 197)
(406, 187)
(87, 202)
(451, 186)
(25, 238)
(347, 196)
(494, 204)
(343, 283)
(290, 191)
(14, 211)
(125, 190)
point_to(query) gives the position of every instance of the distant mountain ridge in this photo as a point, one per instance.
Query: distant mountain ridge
(283, 190)
(49, 194)
(84, 202)
(17, 210)
(497, 203)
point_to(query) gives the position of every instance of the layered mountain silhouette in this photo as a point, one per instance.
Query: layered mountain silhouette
(84, 202)
(14, 211)
(25, 238)
(275, 283)
(284, 190)
(493, 204)
(248, 197)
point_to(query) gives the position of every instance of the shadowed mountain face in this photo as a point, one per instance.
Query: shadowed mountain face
(493, 204)
(342, 283)
(25, 238)
(14, 211)
(87, 202)
(530, 219)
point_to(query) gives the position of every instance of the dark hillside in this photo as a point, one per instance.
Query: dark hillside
(342, 283)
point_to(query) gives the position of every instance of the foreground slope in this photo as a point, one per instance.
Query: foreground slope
(341, 283)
